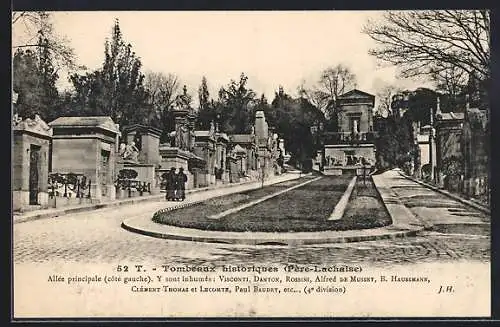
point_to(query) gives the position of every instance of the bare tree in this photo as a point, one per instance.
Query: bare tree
(384, 97)
(34, 30)
(335, 81)
(451, 80)
(427, 42)
(162, 90)
(315, 96)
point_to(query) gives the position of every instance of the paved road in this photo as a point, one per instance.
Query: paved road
(97, 237)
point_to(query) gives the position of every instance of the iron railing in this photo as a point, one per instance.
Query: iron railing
(348, 138)
(69, 185)
(127, 180)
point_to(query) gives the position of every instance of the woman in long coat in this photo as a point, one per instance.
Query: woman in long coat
(171, 185)
(181, 185)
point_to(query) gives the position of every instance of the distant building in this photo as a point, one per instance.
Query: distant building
(352, 147)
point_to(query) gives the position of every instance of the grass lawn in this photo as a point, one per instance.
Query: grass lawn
(195, 216)
(306, 208)
(365, 209)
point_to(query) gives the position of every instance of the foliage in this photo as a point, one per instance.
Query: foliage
(29, 26)
(293, 119)
(127, 174)
(117, 89)
(235, 106)
(162, 90)
(207, 108)
(452, 166)
(426, 171)
(394, 143)
(34, 79)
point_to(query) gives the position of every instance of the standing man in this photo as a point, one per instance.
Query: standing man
(181, 185)
(171, 185)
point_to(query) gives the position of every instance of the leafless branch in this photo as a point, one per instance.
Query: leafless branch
(419, 42)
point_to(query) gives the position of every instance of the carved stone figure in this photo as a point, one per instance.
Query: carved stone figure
(35, 125)
(131, 152)
(123, 147)
(212, 129)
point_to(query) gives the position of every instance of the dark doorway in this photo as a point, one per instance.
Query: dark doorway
(34, 173)
(104, 172)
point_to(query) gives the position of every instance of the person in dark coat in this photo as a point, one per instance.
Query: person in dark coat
(171, 185)
(181, 185)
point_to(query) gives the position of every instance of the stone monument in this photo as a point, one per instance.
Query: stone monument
(30, 162)
(87, 146)
(179, 153)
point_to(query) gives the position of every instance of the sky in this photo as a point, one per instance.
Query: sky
(272, 48)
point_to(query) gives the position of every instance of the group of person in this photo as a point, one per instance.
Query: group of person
(175, 185)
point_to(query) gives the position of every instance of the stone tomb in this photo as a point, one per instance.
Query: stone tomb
(205, 147)
(87, 146)
(173, 157)
(351, 149)
(30, 163)
(146, 140)
(220, 157)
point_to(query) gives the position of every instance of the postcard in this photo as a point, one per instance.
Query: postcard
(233, 164)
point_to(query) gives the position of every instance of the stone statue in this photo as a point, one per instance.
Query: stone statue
(183, 101)
(212, 130)
(181, 137)
(16, 119)
(131, 152)
(191, 140)
(123, 147)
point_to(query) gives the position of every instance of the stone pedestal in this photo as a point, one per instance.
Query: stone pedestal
(205, 148)
(145, 173)
(30, 163)
(172, 157)
(87, 146)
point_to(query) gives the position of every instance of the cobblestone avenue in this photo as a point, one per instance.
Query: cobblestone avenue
(96, 237)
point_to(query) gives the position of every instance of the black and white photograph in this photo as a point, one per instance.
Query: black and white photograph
(251, 164)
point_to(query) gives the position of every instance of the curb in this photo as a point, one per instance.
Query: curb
(273, 239)
(469, 203)
(338, 211)
(91, 207)
(183, 234)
